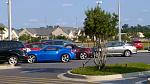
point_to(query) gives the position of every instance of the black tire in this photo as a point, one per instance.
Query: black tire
(127, 53)
(83, 56)
(32, 59)
(13, 60)
(65, 58)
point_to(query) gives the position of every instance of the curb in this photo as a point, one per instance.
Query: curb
(142, 51)
(8, 67)
(96, 79)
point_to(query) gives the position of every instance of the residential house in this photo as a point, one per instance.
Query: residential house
(5, 34)
(45, 33)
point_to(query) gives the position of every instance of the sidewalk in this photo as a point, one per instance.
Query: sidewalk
(97, 79)
(143, 51)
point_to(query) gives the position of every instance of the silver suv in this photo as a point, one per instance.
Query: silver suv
(120, 48)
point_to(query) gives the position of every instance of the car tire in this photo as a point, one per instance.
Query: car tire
(32, 59)
(13, 60)
(127, 53)
(65, 58)
(83, 56)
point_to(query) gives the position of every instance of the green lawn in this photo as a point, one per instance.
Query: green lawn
(112, 69)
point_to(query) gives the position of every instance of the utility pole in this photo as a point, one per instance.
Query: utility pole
(119, 24)
(98, 2)
(9, 20)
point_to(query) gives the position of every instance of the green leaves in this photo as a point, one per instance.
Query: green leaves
(100, 23)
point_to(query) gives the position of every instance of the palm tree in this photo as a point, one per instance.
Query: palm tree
(2, 28)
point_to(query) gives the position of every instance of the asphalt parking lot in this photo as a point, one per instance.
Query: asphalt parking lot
(50, 70)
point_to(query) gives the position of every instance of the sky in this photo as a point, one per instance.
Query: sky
(70, 13)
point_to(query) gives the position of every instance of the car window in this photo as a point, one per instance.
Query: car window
(58, 43)
(51, 49)
(117, 44)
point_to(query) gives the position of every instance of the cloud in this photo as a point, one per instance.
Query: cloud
(61, 23)
(126, 19)
(145, 11)
(67, 5)
(33, 20)
(140, 19)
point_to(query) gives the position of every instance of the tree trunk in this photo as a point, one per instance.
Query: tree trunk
(100, 54)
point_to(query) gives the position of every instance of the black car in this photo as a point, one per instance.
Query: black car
(12, 52)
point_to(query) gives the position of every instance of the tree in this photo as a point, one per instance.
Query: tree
(2, 28)
(147, 34)
(101, 26)
(25, 38)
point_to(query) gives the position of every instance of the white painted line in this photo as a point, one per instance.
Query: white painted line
(140, 82)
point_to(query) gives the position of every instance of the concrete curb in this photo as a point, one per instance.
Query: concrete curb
(142, 51)
(95, 79)
(8, 67)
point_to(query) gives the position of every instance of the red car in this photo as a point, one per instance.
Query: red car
(138, 44)
(81, 52)
(36, 45)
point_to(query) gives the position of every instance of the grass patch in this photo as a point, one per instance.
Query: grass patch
(112, 69)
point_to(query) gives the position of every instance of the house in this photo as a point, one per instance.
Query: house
(5, 34)
(41, 32)
(45, 33)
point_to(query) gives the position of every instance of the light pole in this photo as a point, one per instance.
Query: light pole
(98, 2)
(9, 20)
(119, 24)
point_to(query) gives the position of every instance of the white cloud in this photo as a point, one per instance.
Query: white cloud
(145, 11)
(67, 4)
(61, 23)
(140, 19)
(126, 19)
(33, 20)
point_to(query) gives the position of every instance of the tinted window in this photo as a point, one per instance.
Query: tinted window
(11, 44)
(58, 43)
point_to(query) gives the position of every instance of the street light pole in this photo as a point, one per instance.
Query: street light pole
(119, 24)
(9, 20)
(98, 2)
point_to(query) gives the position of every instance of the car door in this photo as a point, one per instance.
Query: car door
(3, 51)
(118, 48)
(110, 48)
(49, 53)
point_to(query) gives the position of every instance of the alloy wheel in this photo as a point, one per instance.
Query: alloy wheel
(13, 60)
(65, 58)
(31, 59)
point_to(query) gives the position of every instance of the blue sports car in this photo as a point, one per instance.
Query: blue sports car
(51, 53)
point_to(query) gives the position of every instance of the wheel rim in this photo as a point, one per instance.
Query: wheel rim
(127, 53)
(31, 59)
(83, 56)
(13, 60)
(65, 58)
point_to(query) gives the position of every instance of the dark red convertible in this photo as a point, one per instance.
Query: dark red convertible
(81, 52)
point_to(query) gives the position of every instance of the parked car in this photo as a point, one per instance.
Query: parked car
(58, 42)
(36, 45)
(51, 53)
(138, 44)
(119, 48)
(12, 52)
(80, 51)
